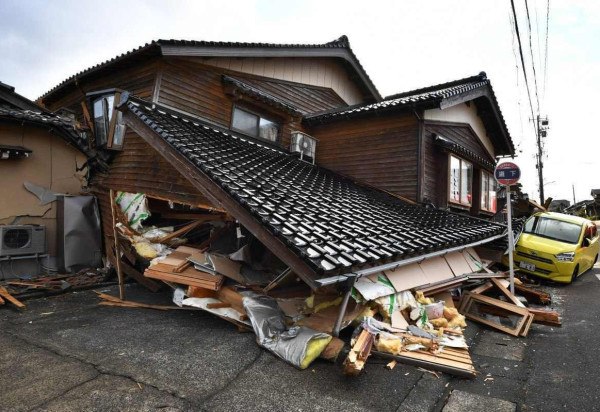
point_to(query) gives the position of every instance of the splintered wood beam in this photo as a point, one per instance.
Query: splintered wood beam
(357, 358)
(182, 231)
(121, 279)
(535, 296)
(4, 294)
(221, 198)
(546, 317)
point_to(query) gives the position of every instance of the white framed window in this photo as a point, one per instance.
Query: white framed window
(488, 192)
(254, 125)
(461, 181)
(109, 129)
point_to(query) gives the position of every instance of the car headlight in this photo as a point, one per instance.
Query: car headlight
(566, 257)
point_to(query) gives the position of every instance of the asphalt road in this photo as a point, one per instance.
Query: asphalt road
(66, 353)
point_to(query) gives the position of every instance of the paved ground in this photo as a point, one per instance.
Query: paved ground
(68, 354)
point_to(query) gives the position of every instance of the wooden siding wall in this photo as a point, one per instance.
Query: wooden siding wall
(325, 72)
(140, 169)
(197, 89)
(138, 79)
(380, 151)
(436, 178)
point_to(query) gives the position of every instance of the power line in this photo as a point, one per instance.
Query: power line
(532, 57)
(516, 24)
(546, 47)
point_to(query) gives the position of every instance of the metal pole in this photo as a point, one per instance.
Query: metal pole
(348, 285)
(511, 241)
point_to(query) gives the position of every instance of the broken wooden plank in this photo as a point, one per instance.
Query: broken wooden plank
(218, 305)
(534, 296)
(189, 277)
(4, 294)
(333, 349)
(428, 361)
(357, 358)
(498, 285)
(545, 317)
(1, 301)
(391, 365)
(181, 231)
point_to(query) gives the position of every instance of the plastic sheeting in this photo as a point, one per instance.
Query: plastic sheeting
(297, 345)
(135, 207)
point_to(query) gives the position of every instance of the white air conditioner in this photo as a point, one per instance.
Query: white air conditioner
(304, 144)
(18, 240)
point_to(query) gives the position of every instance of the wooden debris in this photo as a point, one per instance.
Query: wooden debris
(392, 364)
(5, 295)
(357, 358)
(534, 296)
(109, 300)
(218, 305)
(113, 208)
(545, 317)
(333, 349)
(181, 231)
(474, 307)
(189, 277)
(1, 301)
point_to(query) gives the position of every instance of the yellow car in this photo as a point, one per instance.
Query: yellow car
(557, 247)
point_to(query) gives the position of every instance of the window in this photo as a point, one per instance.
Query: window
(461, 181)
(553, 229)
(488, 192)
(254, 125)
(109, 128)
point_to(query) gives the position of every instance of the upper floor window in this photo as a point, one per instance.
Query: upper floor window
(488, 192)
(461, 181)
(109, 129)
(254, 125)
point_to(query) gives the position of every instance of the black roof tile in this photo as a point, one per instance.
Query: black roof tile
(332, 223)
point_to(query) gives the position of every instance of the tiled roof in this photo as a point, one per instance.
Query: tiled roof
(334, 224)
(154, 48)
(462, 151)
(293, 97)
(428, 97)
(63, 125)
(420, 97)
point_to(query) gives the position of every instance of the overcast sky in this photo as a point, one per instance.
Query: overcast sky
(402, 44)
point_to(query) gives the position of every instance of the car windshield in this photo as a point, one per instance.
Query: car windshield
(553, 229)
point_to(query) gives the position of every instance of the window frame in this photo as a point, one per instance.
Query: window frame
(489, 177)
(113, 123)
(470, 182)
(260, 116)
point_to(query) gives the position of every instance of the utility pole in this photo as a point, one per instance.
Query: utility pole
(542, 131)
(573, 193)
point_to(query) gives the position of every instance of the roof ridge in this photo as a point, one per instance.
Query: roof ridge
(482, 77)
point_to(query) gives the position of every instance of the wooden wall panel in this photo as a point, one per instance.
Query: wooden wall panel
(380, 151)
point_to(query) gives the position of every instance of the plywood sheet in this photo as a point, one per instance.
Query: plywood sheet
(458, 263)
(473, 259)
(407, 277)
(436, 269)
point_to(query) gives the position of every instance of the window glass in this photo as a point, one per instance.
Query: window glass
(492, 194)
(553, 229)
(245, 122)
(454, 179)
(119, 131)
(268, 130)
(485, 191)
(110, 103)
(100, 123)
(466, 178)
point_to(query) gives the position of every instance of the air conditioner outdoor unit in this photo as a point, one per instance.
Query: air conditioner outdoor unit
(18, 240)
(304, 144)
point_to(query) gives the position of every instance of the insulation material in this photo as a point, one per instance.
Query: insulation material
(297, 345)
(135, 208)
(374, 287)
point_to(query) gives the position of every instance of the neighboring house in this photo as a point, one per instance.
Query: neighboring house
(40, 148)
(222, 127)
(433, 145)
(559, 205)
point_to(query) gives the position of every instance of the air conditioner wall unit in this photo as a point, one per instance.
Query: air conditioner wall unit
(18, 240)
(304, 144)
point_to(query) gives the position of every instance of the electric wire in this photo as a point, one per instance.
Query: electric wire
(516, 25)
(537, 97)
(546, 46)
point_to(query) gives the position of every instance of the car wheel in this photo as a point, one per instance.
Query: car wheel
(575, 272)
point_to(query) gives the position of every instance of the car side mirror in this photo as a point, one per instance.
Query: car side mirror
(585, 243)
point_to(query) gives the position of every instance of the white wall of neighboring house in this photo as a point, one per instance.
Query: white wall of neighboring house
(322, 72)
(463, 113)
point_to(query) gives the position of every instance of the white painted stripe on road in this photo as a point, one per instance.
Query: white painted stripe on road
(598, 276)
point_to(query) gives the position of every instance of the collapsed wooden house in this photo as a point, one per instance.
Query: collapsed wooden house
(289, 151)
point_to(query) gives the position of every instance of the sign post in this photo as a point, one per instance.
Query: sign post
(508, 174)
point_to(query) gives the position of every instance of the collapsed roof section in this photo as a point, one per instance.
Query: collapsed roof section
(316, 221)
(339, 49)
(441, 96)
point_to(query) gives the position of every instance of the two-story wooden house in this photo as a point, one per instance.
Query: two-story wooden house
(236, 128)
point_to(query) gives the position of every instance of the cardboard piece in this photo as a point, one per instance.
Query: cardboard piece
(458, 263)
(407, 277)
(436, 269)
